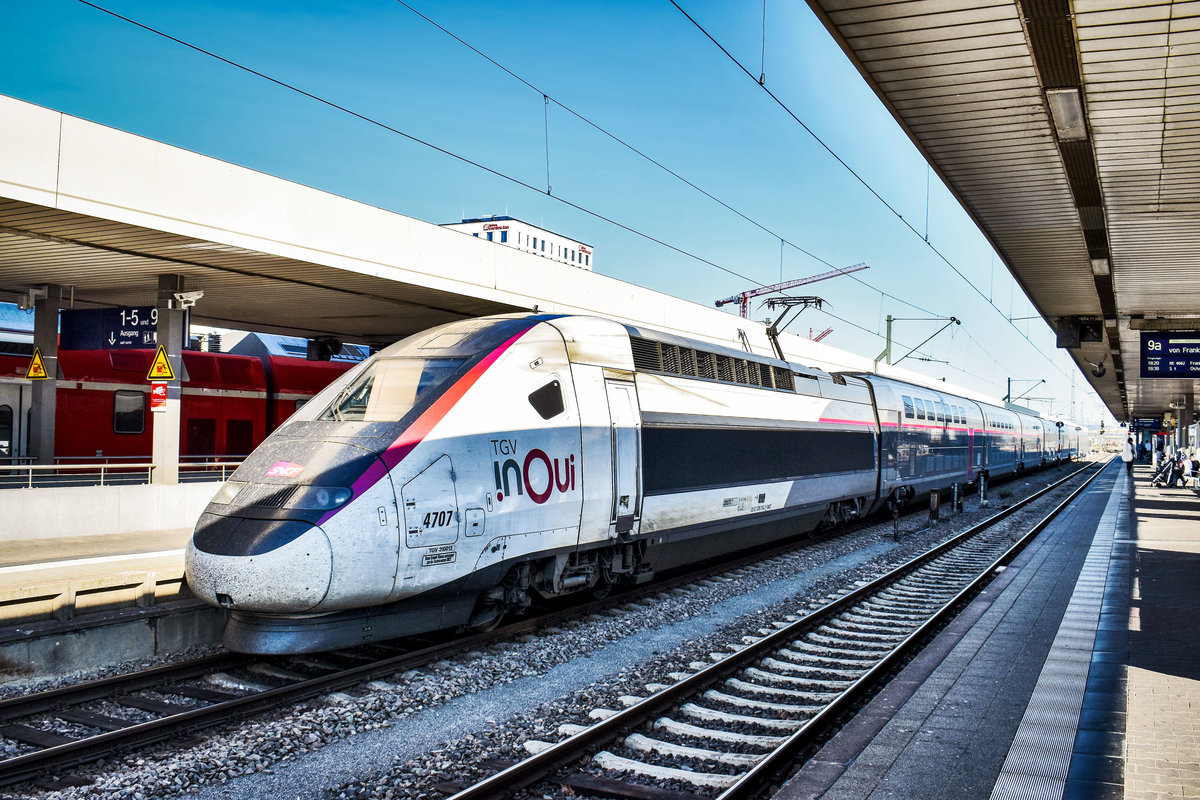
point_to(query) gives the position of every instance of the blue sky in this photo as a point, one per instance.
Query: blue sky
(639, 70)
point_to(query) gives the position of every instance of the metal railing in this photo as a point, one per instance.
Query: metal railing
(17, 473)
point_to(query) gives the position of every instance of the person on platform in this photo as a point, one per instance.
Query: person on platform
(1127, 455)
(1158, 452)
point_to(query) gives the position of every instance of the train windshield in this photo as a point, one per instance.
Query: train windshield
(389, 388)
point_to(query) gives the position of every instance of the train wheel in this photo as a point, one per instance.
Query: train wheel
(489, 610)
(511, 594)
(604, 584)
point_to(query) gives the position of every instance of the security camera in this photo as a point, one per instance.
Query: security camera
(1098, 369)
(187, 299)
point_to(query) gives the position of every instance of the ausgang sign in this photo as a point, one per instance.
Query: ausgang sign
(1171, 354)
(129, 328)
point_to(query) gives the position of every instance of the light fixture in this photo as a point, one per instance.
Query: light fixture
(1100, 266)
(1166, 324)
(1066, 108)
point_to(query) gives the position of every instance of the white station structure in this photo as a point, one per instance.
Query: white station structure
(92, 217)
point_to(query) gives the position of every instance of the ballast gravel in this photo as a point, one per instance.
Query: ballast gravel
(403, 736)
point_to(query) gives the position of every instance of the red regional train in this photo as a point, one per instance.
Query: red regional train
(230, 402)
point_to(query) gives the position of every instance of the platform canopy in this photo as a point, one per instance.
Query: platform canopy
(1071, 134)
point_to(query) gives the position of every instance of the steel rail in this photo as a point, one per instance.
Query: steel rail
(527, 772)
(24, 767)
(779, 760)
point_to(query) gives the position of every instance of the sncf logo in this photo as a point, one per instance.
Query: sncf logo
(285, 469)
(539, 476)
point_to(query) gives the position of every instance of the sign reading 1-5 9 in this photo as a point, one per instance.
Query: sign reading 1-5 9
(133, 317)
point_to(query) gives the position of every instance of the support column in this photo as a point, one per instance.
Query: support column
(166, 423)
(1189, 408)
(45, 338)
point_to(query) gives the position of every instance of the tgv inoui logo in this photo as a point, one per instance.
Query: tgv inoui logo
(538, 476)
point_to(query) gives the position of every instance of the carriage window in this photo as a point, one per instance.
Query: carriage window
(6, 432)
(548, 400)
(129, 411)
(920, 408)
(908, 406)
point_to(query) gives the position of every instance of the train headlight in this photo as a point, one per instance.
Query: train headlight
(227, 492)
(320, 498)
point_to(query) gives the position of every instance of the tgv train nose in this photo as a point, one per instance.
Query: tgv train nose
(281, 566)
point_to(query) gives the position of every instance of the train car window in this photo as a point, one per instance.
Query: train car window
(548, 400)
(908, 406)
(6, 431)
(389, 388)
(129, 411)
(200, 437)
(239, 437)
(128, 360)
(920, 407)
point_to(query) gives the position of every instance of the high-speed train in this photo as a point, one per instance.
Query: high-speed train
(454, 476)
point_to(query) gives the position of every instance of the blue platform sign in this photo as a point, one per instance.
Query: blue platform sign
(129, 328)
(1171, 354)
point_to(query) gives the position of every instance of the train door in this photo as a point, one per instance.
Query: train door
(626, 455)
(12, 431)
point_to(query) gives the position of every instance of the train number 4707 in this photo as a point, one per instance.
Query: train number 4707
(438, 519)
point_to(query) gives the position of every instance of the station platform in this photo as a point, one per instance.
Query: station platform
(1075, 674)
(82, 558)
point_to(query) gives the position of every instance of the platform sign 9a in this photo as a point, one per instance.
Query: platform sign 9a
(1171, 354)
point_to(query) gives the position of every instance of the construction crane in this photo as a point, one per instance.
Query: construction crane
(743, 299)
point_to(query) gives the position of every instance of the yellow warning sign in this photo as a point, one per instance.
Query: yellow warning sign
(161, 370)
(37, 367)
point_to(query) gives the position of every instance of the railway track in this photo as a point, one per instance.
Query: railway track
(56, 731)
(737, 726)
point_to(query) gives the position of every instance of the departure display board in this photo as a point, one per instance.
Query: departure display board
(1171, 354)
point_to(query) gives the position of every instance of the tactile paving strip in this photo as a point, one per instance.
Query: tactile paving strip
(1040, 756)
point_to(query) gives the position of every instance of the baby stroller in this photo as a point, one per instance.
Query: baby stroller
(1164, 472)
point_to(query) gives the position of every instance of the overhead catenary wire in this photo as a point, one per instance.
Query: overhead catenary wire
(547, 99)
(391, 129)
(686, 181)
(859, 178)
(641, 154)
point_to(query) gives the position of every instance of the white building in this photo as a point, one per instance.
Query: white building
(529, 238)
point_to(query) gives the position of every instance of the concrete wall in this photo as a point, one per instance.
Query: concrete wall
(90, 510)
